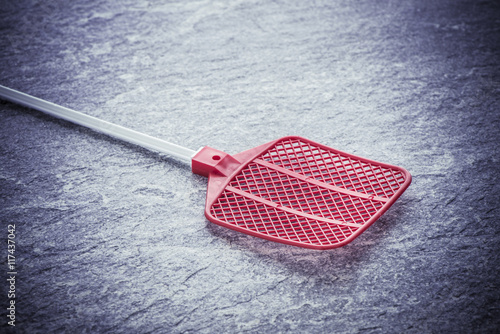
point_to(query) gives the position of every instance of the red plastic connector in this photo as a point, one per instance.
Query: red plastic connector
(211, 161)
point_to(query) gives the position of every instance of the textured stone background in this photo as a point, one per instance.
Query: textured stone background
(112, 238)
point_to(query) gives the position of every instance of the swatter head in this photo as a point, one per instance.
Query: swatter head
(298, 192)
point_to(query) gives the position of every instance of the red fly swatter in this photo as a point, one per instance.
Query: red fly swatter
(291, 190)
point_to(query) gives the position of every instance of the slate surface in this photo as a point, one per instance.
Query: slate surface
(111, 238)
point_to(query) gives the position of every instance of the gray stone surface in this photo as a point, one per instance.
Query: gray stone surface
(112, 238)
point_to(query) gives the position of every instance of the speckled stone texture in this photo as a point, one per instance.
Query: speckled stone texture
(111, 238)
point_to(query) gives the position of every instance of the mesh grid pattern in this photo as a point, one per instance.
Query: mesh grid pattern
(334, 168)
(303, 196)
(258, 217)
(300, 192)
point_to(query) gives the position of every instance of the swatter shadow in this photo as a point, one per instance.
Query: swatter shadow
(303, 261)
(321, 264)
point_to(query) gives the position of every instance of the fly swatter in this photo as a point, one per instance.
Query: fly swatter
(291, 190)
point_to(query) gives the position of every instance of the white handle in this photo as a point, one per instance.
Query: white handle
(97, 124)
